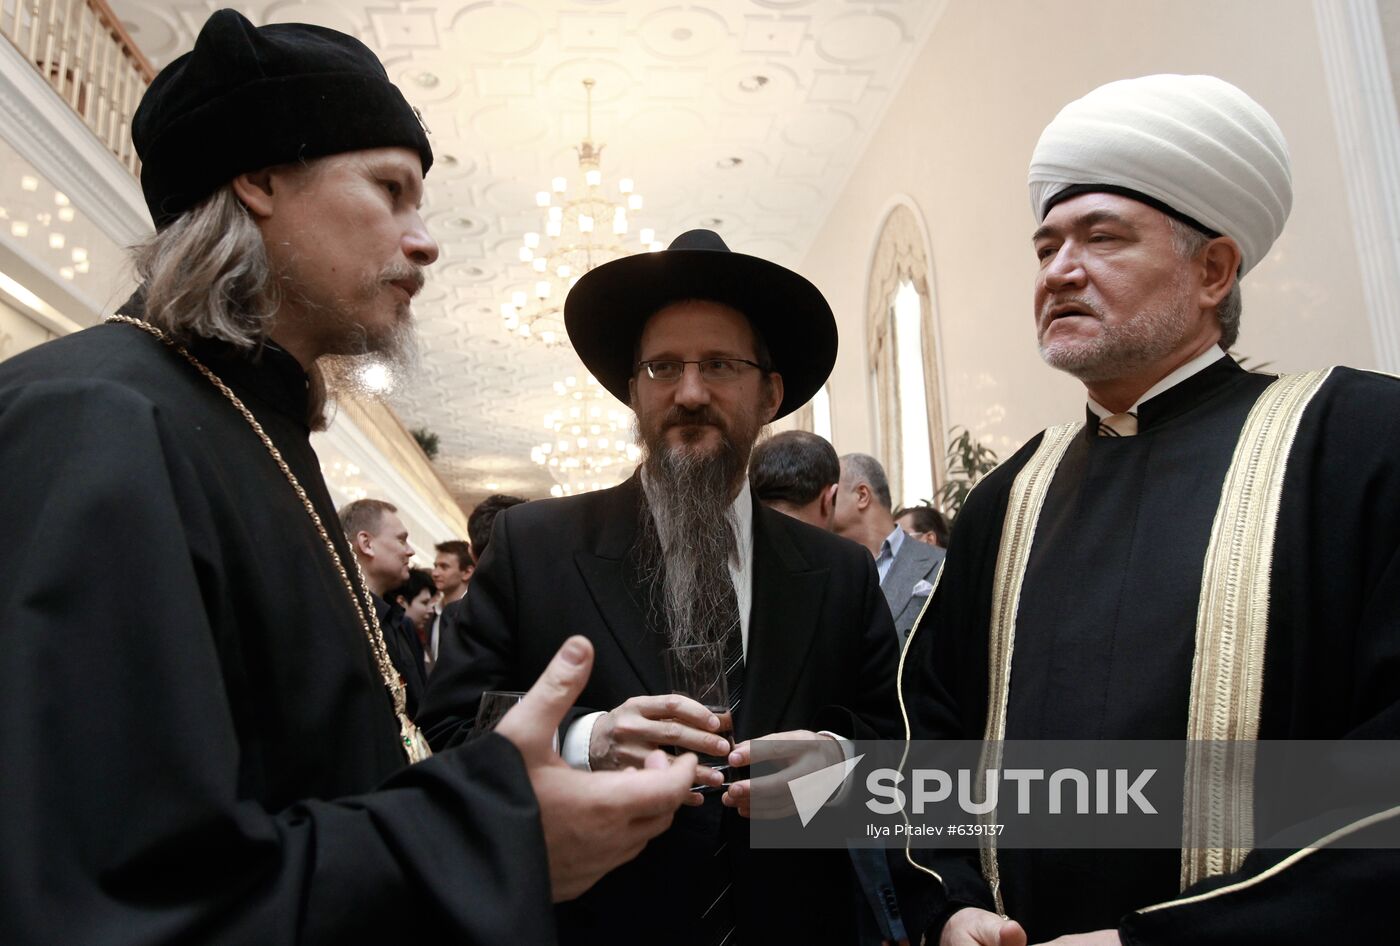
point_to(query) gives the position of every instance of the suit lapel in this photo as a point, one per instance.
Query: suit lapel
(912, 563)
(616, 589)
(787, 601)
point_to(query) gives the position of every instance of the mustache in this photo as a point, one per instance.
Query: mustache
(678, 416)
(1079, 302)
(406, 273)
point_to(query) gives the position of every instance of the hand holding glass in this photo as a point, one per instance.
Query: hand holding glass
(493, 706)
(697, 671)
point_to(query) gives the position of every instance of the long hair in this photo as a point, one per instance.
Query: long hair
(207, 275)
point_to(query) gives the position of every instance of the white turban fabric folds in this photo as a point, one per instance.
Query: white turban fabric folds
(1195, 143)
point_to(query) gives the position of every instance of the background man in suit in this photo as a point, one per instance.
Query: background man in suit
(907, 569)
(479, 524)
(795, 472)
(380, 542)
(707, 346)
(452, 570)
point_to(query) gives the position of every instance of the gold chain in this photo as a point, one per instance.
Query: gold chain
(414, 745)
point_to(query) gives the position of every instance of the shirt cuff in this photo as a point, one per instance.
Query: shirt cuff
(574, 751)
(846, 745)
(847, 748)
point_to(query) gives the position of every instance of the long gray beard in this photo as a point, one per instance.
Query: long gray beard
(686, 538)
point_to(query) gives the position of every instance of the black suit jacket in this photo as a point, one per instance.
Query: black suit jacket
(821, 655)
(405, 651)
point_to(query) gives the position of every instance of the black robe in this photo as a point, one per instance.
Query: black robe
(1105, 638)
(196, 744)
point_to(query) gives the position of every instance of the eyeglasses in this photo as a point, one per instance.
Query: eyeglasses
(711, 369)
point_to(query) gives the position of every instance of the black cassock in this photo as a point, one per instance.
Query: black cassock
(1105, 635)
(195, 744)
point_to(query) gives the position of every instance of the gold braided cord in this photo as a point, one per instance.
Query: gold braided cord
(1028, 492)
(904, 714)
(414, 745)
(1232, 624)
(1274, 870)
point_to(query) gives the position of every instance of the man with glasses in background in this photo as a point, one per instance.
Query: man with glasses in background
(707, 346)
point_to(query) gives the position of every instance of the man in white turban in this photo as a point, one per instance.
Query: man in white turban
(1211, 554)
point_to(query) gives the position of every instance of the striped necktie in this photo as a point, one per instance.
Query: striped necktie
(1118, 425)
(717, 924)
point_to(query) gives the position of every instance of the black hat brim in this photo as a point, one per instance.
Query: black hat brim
(607, 308)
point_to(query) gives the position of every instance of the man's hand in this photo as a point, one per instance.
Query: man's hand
(592, 821)
(973, 927)
(624, 737)
(801, 752)
(1098, 938)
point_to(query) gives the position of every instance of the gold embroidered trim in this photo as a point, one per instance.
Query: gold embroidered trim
(1023, 506)
(1231, 631)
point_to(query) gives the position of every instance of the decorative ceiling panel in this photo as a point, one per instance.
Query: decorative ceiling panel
(741, 115)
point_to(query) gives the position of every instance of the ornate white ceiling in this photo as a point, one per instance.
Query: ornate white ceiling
(677, 98)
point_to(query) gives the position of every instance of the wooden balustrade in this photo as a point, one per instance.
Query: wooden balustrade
(82, 50)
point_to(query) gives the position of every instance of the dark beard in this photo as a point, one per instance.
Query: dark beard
(685, 540)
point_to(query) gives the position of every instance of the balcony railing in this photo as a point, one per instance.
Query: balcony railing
(82, 51)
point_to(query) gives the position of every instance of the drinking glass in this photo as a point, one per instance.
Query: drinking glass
(697, 671)
(494, 705)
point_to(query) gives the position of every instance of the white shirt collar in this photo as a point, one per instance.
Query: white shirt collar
(742, 510)
(1193, 367)
(742, 571)
(889, 549)
(893, 542)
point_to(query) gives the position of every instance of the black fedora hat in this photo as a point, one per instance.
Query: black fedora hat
(607, 308)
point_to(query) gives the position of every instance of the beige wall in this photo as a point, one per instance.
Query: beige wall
(956, 142)
(18, 332)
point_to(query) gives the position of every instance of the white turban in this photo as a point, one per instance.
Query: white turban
(1197, 144)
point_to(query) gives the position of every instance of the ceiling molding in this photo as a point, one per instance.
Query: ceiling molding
(751, 112)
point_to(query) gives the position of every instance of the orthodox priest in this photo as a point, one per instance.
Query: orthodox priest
(209, 744)
(1212, 554)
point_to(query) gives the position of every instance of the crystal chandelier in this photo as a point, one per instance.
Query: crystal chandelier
(583, 228)
(591, 439)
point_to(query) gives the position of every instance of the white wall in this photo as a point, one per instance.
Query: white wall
(957, 141)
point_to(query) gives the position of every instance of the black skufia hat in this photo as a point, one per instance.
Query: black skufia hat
(608, 307)
(247, 98)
